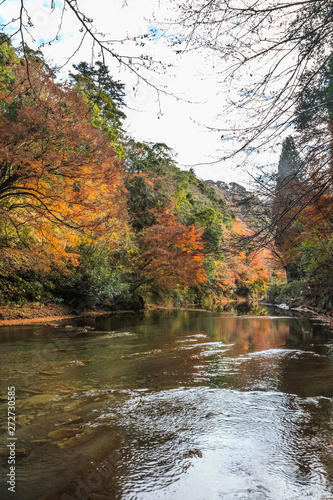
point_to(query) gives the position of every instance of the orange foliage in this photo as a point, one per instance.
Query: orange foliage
(172, 254)
(59, 178)
(246, 271)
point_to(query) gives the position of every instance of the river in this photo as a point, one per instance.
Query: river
(170, 404)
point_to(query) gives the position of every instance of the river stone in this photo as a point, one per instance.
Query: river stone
(32, 392)
(76, 440)
(75, 404)
(64, 433)
(50, 373)
(42, 399)
(24, 420)
(69, 419)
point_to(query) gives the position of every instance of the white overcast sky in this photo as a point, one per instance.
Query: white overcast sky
(182, 122)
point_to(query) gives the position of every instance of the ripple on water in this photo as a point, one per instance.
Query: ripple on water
(254, 445)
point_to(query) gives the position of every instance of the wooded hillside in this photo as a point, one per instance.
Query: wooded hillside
(90, 217)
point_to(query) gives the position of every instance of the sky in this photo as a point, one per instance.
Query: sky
(194, 101)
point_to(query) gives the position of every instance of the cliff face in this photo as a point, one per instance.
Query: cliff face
(232, 192)
(237, 196)
(227, 190)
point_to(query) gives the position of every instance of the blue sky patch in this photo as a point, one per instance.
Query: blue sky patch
(155, 33)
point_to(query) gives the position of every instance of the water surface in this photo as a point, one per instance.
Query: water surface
(171, 405)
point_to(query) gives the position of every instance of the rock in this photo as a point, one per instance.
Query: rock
(69, 419)
(32, 392)
(50, 373)
(64, 433)
(75, 404)
(42, 399)
(282, 306)
(76, 440)
(21, 452)
(76, 363)
(24, 420)
(193, 453)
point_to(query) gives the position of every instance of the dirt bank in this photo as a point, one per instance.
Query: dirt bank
(41, 313)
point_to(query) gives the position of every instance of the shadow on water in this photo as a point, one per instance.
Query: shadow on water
(171, 404)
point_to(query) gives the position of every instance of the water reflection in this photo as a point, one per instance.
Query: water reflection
(136, 394)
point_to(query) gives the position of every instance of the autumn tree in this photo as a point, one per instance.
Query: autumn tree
(59, 178)
(172, 254)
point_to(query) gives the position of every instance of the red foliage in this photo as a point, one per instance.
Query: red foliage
(172, 254)
(59, 178)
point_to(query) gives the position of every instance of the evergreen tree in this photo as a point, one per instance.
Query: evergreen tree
(105, 97)
(289, 162)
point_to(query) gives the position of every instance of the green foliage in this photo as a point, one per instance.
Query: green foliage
(283, 293)
(105, 97)
(211, 220)
(315, 99)
(147, 157)
(95, 282)
(310, 264)
(8, 57)
(96, 80)
(316, 263)
(246, 287)
(20, 290)
(24, 277)
(206, 212)
(143, 198)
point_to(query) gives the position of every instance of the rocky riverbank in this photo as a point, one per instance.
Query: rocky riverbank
(322, 314)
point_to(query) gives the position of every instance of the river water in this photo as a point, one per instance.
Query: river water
(173, 405)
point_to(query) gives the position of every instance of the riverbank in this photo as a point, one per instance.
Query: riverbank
(322, 314)
(37, 313)
(30, 313)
